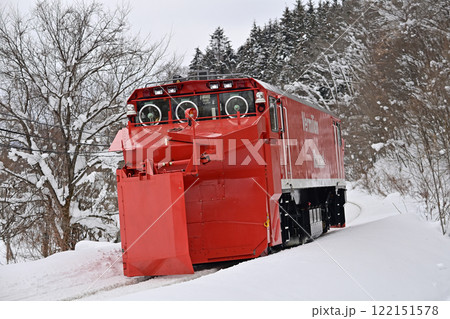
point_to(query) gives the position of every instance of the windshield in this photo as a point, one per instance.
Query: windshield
(208, 106)
(153, 111)
(232, 102)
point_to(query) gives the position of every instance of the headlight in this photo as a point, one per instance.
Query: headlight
(228, 84)
(213, 85)
(158, 91)
(172, 89)
(260, 98)
(130, 110)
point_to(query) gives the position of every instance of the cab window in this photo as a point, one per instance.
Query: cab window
(206, 106)
(273, 113)
(232, 102)
(339, 134)
(153, 111)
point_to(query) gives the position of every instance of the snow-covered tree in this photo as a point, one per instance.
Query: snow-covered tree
(321, 68)
(197, 62)
(65, 71)
(410, 77)
(292, 34)
(249, 55)
(219, 55)
(289, 37)
(271, 51)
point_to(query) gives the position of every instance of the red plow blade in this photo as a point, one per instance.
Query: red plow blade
(153, 225)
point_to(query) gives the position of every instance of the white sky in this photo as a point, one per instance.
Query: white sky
(191, 22)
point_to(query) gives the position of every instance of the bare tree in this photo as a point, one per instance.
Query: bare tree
(407, 87)
(65, 72)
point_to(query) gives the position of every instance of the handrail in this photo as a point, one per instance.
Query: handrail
(193, 77)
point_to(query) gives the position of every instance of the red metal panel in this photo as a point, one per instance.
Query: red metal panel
(234, 227)
(226, 219)
(309, 146)
(153, 225)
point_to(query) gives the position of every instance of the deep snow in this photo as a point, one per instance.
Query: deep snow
(386, 252)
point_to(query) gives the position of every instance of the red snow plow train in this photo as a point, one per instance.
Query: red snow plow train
(223, 169)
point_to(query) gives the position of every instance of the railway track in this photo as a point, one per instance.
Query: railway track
(352, 214)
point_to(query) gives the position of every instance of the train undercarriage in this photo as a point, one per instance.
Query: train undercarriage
(307, 213)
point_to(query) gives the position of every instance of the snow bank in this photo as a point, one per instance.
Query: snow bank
(94, 268)
(64, 275)
(386, 252)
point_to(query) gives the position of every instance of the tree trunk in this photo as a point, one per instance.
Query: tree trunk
(66, 227)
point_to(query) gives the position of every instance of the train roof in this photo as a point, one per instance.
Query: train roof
(277, 90)
(237, 77)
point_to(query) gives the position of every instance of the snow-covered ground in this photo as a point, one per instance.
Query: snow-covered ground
(386, 252)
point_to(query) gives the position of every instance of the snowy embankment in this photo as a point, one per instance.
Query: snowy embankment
(385, 253)
(92, 268)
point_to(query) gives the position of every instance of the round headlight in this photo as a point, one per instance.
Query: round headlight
(131, 110)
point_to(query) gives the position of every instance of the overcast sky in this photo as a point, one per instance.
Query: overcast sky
(191, 22)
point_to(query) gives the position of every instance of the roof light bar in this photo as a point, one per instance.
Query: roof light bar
(227, 84)
(172, 89)
(213, 85)
(158, 91)
(146, 92)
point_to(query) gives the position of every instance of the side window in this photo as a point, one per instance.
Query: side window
(339, 134)
(273, 113)
(280, 106)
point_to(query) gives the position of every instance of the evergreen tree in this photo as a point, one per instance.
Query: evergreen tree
(288, 37)
(249, 55)
(197, 62)
(321, 71)
(219, 55)
(326, 16)
(293, 36)
(311, 26)
(271, 39)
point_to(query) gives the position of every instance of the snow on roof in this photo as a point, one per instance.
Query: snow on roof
(277, 90)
